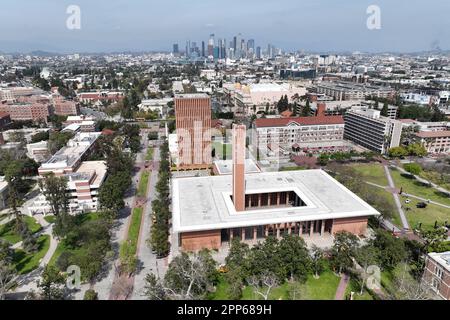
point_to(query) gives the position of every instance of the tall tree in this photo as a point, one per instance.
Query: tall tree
(295, 257)
(343, 249)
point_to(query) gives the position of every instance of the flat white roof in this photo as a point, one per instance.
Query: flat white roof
(204, 203)
(225, 166)
(442, 259)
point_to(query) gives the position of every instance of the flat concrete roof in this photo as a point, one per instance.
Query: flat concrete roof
(204, 203)
(442, 258)
(225, 166)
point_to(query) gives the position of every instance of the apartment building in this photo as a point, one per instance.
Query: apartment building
(353, 91)
(33, 111)
(193, 128)
(69, 158)
(277, 136)
(64, 107)
(369, 129)
(437, 273)
(82, 186)
(436, 142)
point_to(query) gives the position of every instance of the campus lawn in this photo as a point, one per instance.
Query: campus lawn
(412, 186)
(143, 183)
(435, 177)
(8, 233)
(149, 155)
(135, 225)
(427, 216)
(61, 247)
(25, 262)
(50, 218)
(354, 286)
(219, 147)
(323, 288)
(373, 172)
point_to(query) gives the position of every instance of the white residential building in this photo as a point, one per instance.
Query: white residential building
(369, 129)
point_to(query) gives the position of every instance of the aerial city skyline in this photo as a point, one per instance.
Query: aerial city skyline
(317, 26)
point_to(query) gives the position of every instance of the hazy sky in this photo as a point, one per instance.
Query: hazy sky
(138, 25)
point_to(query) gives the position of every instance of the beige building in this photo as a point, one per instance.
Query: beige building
(263, 97)
(436, 142)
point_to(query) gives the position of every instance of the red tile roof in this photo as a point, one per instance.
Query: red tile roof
(433, 134)
(305, 121)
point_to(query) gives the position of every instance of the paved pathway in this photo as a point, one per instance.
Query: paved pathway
(118, 234)
(28, 282)
(147, 259)
(396, 198)
(340, 292)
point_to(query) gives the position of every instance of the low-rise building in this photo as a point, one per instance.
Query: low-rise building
(64, 107)
(437, 273)
(82, 186)
(35, 111)
(38, 151)
(156, 105)
(369, 129)
(210, 211)
(341, 90)
(435, 142)
(69, 157)
(295, 134)
(263, 97)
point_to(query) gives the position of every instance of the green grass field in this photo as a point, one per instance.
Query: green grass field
(427, 216)
(149, 155)
(50, 218)
(25, 262)
(61, 248)
(143, 183)
(354, 286)
(323, 288)
(414, 187)
(8, 233)
(373, 172)
(135, 225)
(219, 148)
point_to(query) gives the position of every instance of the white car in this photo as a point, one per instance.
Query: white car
(407, 201)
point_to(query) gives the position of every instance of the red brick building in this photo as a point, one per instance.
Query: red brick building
(437, 273)
(193, 125)
(34, 111)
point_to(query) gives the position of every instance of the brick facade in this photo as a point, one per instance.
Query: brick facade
(356, 225)
(193, 241)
